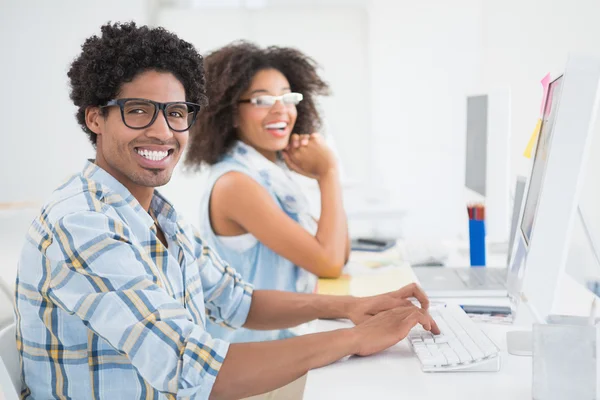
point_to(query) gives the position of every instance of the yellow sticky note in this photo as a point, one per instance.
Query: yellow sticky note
(533, 139)
(339, 286)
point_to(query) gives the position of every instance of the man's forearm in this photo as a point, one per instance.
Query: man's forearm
(273, 309)
(253, 368)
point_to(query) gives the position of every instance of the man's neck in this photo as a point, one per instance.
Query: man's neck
(142, 194)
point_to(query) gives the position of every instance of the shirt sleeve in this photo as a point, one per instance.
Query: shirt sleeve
(227, 295)
(97, 272)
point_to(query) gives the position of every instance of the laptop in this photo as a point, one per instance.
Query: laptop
(469, 281)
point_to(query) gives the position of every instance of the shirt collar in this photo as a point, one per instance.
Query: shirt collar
(160, 207)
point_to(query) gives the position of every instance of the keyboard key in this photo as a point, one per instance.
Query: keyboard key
(432, 347)
(452, 357)
(475, 352)
(429, 361)
(420, 347)
(463, 355)
(440, 339)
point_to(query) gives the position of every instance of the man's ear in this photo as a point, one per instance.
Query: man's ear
(94, 119)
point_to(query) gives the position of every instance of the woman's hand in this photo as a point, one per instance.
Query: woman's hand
(309, 155)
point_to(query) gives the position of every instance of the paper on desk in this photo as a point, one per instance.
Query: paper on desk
(367, 284)
(374, 259)
(381, 282)
(339, 286)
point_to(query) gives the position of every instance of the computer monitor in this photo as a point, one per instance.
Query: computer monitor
(487, 159)
(583, 262)
(550, 206)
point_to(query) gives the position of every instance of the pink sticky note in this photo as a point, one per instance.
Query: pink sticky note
(545, 83)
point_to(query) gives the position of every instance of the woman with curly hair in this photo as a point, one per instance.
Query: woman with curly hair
(260, 124)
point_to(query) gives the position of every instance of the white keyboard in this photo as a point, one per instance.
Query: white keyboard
(461, 346)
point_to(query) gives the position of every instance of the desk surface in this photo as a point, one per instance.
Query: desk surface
(396, 372)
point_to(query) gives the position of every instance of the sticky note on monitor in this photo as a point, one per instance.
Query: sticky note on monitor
(545, 85)
(533, 139)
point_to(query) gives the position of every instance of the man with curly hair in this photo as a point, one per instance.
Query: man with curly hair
(114, 289)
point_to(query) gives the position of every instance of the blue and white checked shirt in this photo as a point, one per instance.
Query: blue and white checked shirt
(105, 311)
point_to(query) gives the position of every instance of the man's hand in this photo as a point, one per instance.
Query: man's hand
(361, 309)
(389, 327)
(382, 321)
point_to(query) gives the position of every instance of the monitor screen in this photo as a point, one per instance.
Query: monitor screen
(539, 162)
(477, 143)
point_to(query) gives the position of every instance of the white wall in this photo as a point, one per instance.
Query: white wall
(424, 58)
(523, 41)
(40, 140)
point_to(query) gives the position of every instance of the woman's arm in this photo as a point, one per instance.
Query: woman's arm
(239, 204)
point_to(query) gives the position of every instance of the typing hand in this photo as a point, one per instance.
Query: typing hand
(364, 308)
(389, 327)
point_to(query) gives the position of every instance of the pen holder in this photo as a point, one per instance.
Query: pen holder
(565, 362)
(477, 242)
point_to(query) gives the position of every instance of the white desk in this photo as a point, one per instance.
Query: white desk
(396, 372)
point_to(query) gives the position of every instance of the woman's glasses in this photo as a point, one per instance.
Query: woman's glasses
(268, 101)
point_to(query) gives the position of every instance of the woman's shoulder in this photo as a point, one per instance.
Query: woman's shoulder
(228, 164)
(230, 171)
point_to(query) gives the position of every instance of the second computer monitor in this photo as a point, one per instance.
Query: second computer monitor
(487, 159)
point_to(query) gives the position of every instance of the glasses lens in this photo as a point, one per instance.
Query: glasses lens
(180, 116)
(138, 113)
(292, 98)
(264, 101)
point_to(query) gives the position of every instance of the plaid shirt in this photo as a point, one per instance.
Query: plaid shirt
(105, 311)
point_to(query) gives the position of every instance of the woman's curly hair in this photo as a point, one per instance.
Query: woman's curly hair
(229, 72)
(123, 51)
